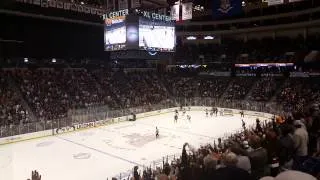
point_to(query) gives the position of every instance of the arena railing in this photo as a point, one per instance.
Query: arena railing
(97, 113)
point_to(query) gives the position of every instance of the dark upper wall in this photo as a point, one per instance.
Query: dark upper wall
(46, 38)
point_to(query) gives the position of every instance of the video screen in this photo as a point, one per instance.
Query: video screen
(115, 36)
(156, 36)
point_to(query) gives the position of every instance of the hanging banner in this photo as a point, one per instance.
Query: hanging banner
(37, 2)
(80, 8)
(44, 3)
(86, 9)
(66, 6)
(73, 7)
(93, 11)
(187, 11)
(52, 3)
(60, 5)
(123, 4)
(175, 9)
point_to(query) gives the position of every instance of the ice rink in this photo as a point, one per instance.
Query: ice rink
(104, 152)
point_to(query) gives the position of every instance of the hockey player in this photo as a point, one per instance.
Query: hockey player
(206, 112)
(243, 124)
(189, 118)
(157, 132)
(242, 114)
(175, 118)
(184, 111)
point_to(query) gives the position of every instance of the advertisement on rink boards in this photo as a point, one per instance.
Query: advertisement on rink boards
(76, 127)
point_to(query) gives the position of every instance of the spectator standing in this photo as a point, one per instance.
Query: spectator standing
(301, 140)
(258, 158)
(286, 149)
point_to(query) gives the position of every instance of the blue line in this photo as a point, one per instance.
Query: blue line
(102, 152)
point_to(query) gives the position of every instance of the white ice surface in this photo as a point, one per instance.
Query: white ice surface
(100, 153)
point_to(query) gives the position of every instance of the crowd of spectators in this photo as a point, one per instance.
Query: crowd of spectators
(51, 93)
(299, 92)
(239, 88)
(265, 88)
(142, 88)
(11, 109)
(212, 87)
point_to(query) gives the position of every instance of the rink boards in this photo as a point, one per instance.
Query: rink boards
(78, 127)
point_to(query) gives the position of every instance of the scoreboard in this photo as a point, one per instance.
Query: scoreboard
(139, 31)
